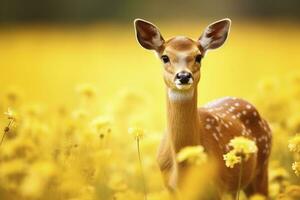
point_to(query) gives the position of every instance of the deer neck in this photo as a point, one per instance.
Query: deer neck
(183, 122)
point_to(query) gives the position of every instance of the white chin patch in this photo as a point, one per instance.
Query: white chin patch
(183, 87)
(180, 95)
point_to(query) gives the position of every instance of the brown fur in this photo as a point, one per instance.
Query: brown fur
(186, 127)
(181, 43)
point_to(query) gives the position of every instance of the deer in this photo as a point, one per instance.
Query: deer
(212, 125)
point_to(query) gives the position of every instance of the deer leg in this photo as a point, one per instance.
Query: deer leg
(259, 185)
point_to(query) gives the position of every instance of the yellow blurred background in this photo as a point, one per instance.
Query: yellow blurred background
(48, 63)
(73, 79)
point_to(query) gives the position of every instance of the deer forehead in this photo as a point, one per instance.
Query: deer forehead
(181, 43)
(181, 49)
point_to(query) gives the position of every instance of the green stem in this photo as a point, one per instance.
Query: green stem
(3, 136)
(237, 197)
(5, 131)
(141, 168)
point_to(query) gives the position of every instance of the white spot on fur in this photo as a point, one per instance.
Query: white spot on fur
(231, 109)
(227, 147)
(215, 136)
(207, 126)
(220, 108)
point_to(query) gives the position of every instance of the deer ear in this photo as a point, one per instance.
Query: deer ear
(215, 35)
(148, 35)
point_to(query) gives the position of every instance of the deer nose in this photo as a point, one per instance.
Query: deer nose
(183, 77)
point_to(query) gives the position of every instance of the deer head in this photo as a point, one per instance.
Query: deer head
(181, 56)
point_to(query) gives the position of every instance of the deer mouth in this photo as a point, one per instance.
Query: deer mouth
(183, 86)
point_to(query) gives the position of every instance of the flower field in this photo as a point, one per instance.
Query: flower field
(82, 109)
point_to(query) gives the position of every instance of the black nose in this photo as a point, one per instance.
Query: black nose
(184, 77)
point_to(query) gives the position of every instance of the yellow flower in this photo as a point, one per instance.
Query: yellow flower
(11, 115)
(102, 125)
(294, 144)
(33, 111)
(13, 167)
(292, 192)
(138, 133)
(296, 168)
(37, 179)
(231, 159)
(257, 197)
(243, 146)
(86, 90)
(278, 174)
(101, 122)
(192, 154)
(79, 114)
(117, 183)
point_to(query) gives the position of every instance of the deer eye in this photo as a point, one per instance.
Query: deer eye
(165, 59)
(198, 58)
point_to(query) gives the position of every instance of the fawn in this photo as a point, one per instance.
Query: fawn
(211, 126)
